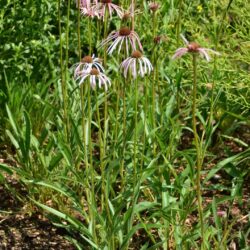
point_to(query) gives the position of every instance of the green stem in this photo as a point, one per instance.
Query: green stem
(104, 193)
(91, 168)
(63, 81)
(178, 29)
(154, 81)
(81, 87)
(82, 97)
(105, 94)
(79, 30)
(198, 150)
(90, 36)
(145, 108)
(105, 36)
(133, 15)
(116, 114)
(153, 113)
(135, 133)
(123, 134)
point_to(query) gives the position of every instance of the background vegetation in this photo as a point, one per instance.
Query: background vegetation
(76, 154)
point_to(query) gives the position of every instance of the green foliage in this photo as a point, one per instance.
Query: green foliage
(122, 174)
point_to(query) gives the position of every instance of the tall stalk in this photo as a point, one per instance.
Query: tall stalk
(198, 150)
(83, 120)
(117, 86)
(90, 35)
(79, 29)
(105, 124)
(178, 32)
(91, 167)
(145, 108)
(82, 86)
(178, 29)
(63, 76)
(155, 81)
(123, 132)
(135, 130)
(104, 198)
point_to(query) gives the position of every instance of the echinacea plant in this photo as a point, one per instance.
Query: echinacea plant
(137, 64)
(86, 64)
(195, 49)
(106, 6)
(90, 12)
(117, 38)
(95, 77)
(154, 6)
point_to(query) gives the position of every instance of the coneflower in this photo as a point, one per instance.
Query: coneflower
(154, 6)
(137, 64)
(107, 5)
(86, 64)
(87, 8)
(193, 47)
(117, 38)
(90, 12)
(95, 78)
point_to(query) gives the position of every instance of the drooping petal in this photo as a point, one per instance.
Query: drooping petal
(179, 52)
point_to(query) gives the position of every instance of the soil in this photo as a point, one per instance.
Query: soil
(21, 231)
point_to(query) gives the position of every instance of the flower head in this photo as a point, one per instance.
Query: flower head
(107, 5)
(193, 47)
(130, 37)
(160, 38)
(86, 64)
(90, 12)
(154, 6)
(130, 12)
(95, 77)
(87, 8)
(137, 63)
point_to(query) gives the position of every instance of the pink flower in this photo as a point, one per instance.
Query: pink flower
(86, 64)
(107, 5)
(144, 65)
(87, 8)
(90, 12)
(193, 48)
(130, 37)
(95, 77)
